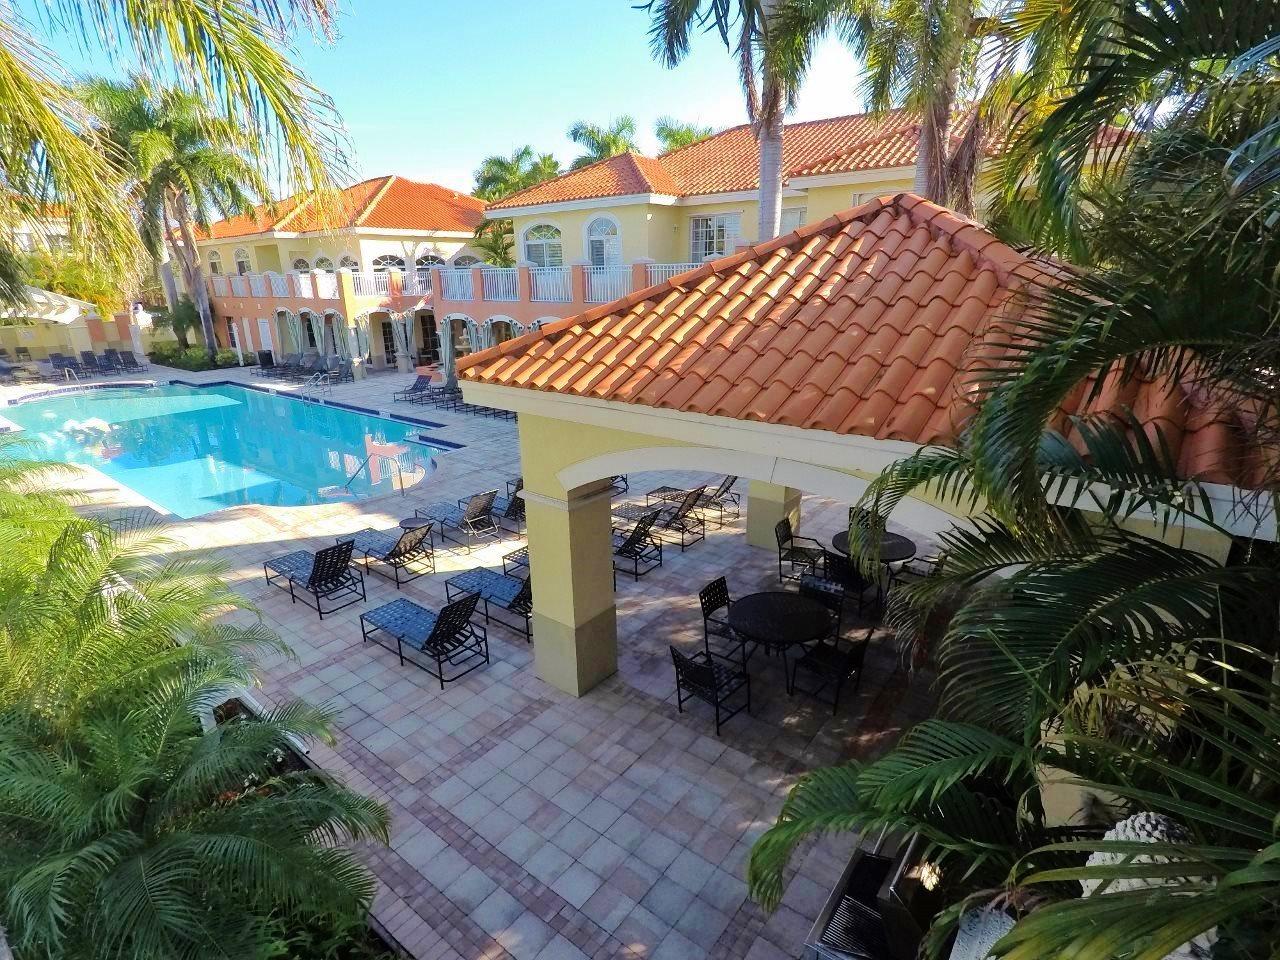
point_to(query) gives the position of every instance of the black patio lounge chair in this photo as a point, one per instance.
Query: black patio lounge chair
(266, 363)
(638, 547)
(701, 676)
(497, 591)
(308, 368)
(412, 551)
(834, 663)
(474, 520)
(800, 553)
(327, 574)
(720, 501)
(131, 363)
(678, 522)
(715, 602)
(516, 560)
(285, 367)
(509, 510)
(111, 358)
(425, 638)
(89, 363)
(421, 384)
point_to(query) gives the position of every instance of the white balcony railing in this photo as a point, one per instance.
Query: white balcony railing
(279, 284)
(501, 283)
(257, 284)
(239, 288)
(306, 287)
(363, 283)
(457, 284)
(607, 283)
(417, 282)
(326, 285)
(661, 272)
(551, 284)
(220, 285)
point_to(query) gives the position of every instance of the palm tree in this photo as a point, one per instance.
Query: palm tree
(185, 167)
(494, 239)
(499, 176)
(672, 134)
(231, 56)
(1143, 671)
(773, 47)
(602, 142)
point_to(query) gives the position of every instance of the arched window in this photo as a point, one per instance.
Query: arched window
(603, 242)
(387, 262)
(466, 260)
(324, 264)
(429, 260)
(542, 246)
(242, 261)
(215, 262)
(349, 262)
(301, 264)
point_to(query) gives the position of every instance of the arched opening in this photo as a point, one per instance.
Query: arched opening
(466, 260)
(214, 260)
(349, 262)
(301, 264)
(604, 242)
(543, 245)
(428, 337)
(324, 265)
(243, 264)
(387, 262)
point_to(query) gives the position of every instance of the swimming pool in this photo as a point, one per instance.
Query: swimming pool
(193, 450)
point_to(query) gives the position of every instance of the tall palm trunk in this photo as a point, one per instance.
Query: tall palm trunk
(165, 266)
(766, 113)
(931, 157)
(193, 273)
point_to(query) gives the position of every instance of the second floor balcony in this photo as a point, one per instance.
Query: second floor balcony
(555, 290)
(321, 285)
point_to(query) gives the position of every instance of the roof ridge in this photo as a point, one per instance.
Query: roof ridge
(374, 200)
(297, 208)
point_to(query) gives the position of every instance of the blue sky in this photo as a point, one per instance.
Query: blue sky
(427, 88)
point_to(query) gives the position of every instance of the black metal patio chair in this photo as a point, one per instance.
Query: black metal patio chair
(715, 602)
(111, 360)
(474, 520)
(425, 638)
(720, 501)
(827, 593)
(701, 676)
(131, 363)
(834, 663)
(419, 385)
(802, 553)
(840, 570)
(678, 522)
(497, 591)
(280, 370)
(327, 574)
(412, 551)
(89, 363)
(639, 547)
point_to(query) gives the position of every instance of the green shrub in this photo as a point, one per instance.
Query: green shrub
(195, 358)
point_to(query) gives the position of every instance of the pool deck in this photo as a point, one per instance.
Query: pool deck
(528, 823)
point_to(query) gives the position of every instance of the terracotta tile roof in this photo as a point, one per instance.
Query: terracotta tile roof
(860, 325)
(728, 161)
(391, 202)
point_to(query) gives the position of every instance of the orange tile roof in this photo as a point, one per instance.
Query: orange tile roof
(859, 325)
(390, 202)
(729, 161)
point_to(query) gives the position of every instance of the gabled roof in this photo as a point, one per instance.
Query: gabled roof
(859, 325)
(389, 202)
(728, 161)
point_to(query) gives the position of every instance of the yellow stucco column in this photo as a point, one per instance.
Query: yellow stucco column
(575, 629)
(767, 503)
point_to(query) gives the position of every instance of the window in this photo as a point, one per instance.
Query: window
(542, 246)
(429, 260)
(324, 264)
(349, 262)
(792, 219)
(215, 263)
(387, 262)
(466, 260)
(603, 246)
(713, 236)
(859, 199)
(242, 261)
(301, 264)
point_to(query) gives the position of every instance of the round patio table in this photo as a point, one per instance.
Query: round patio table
(413, 523)
(778, 619)
(893, 546)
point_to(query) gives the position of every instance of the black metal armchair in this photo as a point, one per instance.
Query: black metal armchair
(715, 601)
(327, 574)
(834, 663)
(800, 553)
(701, 676)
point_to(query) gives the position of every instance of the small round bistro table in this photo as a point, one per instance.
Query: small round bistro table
(778, 619)
(413, 523)
(893, 546)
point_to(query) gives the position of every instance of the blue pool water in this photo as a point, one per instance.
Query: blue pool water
(193, 450)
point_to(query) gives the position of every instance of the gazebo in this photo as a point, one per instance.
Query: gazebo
(51, 322)
(807, 363)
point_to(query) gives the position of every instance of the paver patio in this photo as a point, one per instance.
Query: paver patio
(528, 823)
